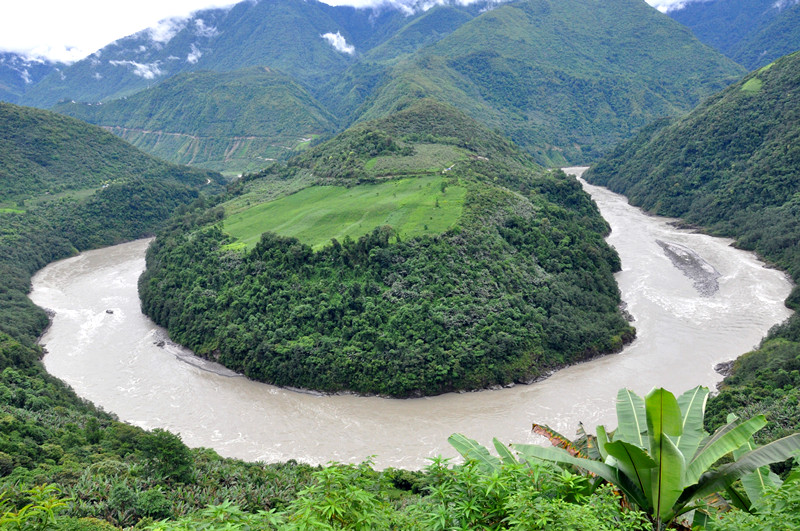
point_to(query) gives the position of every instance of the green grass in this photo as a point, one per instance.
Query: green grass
(752, 85)
(427, 158)
(315, 215)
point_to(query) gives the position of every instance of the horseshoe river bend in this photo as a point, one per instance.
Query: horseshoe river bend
(696, 302)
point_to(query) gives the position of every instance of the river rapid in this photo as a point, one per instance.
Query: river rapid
(696, 302)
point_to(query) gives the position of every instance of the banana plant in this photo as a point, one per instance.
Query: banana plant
(661, 458)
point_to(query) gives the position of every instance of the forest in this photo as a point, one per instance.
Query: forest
(522, 284)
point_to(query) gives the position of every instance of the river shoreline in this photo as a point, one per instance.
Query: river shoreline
(113, 360)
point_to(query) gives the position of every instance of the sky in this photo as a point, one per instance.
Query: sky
(69, 30)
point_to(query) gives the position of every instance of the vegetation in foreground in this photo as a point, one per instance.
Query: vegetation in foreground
(622, 479)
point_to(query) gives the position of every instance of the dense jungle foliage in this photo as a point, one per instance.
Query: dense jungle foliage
(521, 285)
(732, 166)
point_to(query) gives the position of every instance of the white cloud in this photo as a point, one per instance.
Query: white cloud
(339, 43)
(69, 30)
(146, 71)
(98, 76)
(781, 4)
(194, 55)
(201, 30)
(165, 29)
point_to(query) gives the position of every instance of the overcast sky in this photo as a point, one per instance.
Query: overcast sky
(68, 30)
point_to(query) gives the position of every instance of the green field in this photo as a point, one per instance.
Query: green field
(314, 215)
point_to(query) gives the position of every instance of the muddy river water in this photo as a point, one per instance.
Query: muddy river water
(696, 302)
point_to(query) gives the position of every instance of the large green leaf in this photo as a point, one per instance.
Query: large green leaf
(663, 415)
(634, 463)
(557, 455)
(667, 478)
(773, 452)
(728, 441)
(471, 450)
(631, 418)
(664, 419)
(693, 407)
(758, 481)
(602, 440)
(505, 454)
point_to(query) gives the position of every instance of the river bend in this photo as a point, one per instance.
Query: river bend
(696, 301)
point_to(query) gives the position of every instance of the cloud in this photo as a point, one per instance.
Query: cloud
(672, 5)
(68, 31)
(165, 29)
(201, 30)
(146, 71)
(339, 43)
(194, 55)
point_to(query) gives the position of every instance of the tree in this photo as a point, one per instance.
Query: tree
(167, 455)
(661, 458)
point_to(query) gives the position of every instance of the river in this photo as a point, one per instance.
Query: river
(696, 301)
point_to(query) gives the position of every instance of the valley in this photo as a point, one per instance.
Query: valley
(355, 219)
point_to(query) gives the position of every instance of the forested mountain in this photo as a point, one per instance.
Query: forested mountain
(464, 265)
(18, 73)
(233, 121)
(732, 166)
(751, 32)
(43, 152)
(564, 79)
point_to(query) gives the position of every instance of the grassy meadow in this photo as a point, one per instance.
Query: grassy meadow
(315, 215)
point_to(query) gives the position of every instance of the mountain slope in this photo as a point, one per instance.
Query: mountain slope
(232, 120)
(751, 32)
(18, 74)
(544, 73)
(732, 166)
(443, 258)
(47, 153)
(287, 35)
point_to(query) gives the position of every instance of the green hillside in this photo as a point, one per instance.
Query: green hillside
(318, 214)
(751, 32)
(232, 121)
(541, 72)
(732, 166)
(469, 268)
(45, 153)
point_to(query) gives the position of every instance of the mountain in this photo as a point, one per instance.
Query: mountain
(751, 32)
(731, 166)
(299, 38)
(413, 255)
(18, 74)
(565, 80)
(231, 121)
(538, 70)
(45, 153)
